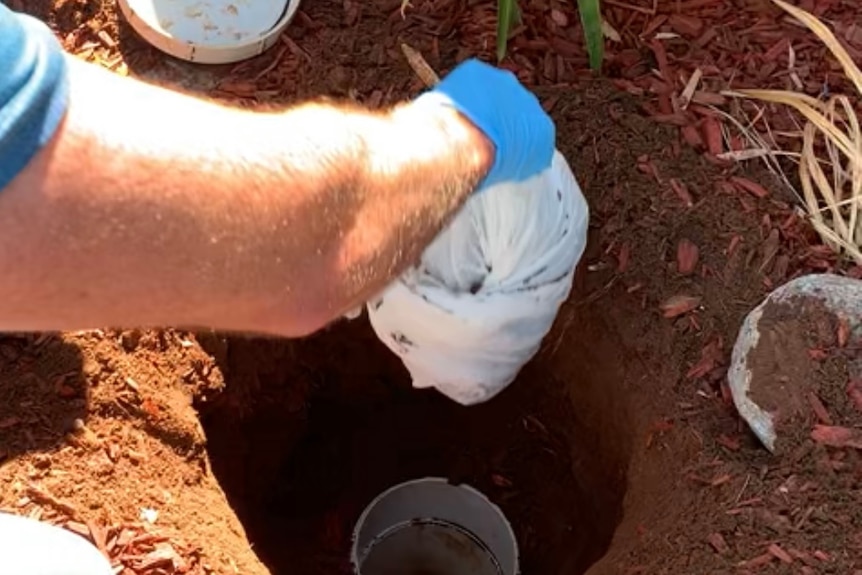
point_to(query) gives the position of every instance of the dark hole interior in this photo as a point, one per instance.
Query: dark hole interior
(310, 431)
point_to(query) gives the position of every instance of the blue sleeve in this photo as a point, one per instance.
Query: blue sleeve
(33, 90)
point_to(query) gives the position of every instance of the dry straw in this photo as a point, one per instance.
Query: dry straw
(832, 186)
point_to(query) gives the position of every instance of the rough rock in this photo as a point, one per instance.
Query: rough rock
(840, 295)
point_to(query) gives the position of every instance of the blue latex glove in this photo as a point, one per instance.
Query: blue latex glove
(507, 113)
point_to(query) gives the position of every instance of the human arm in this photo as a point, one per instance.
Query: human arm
(152, 208)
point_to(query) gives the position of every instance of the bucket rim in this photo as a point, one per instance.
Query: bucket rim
(360, 522)
(225, 52)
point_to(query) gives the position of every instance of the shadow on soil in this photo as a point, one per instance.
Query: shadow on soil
(310, 431)
(39, 374)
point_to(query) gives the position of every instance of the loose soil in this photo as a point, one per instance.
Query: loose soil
(199, 453)
(800, 366)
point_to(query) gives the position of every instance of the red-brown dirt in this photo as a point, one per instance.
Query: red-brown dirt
(619, 440)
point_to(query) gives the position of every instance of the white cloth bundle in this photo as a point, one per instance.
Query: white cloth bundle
(489, 287)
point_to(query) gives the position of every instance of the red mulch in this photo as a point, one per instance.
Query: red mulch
(727, 45)
(684, 245)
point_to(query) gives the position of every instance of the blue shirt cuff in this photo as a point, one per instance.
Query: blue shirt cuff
(34, 90)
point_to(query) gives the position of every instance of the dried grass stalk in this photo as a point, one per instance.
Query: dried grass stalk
(831, 187)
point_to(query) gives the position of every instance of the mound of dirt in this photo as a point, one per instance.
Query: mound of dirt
(99, 435)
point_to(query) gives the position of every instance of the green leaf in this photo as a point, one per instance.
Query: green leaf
(507, 15)
(591, 20)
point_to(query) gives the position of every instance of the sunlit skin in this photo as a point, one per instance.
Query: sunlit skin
(154, 208)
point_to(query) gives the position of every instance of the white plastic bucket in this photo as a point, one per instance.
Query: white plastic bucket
(432, 527)
(210, 31)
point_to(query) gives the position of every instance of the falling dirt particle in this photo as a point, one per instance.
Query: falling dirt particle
(679, 305)
(687, 254)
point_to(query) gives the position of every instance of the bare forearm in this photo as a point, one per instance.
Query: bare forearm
(152, 208)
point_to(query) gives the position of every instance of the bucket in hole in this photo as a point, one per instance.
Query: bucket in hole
(432, 527)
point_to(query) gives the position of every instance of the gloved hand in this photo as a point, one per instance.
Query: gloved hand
(507, 113)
